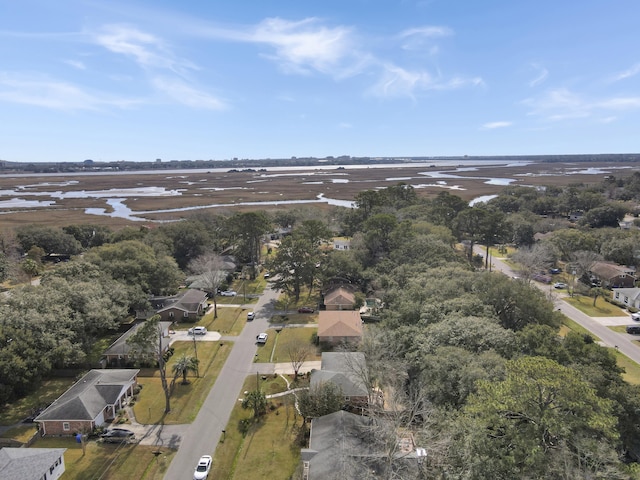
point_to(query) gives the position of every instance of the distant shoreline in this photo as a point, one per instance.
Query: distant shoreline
(90, 166)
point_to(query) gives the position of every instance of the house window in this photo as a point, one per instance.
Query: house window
(65, 426)
(170, 314)
(185, 314)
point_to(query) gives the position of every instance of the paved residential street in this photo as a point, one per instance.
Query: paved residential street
(596, 325)
(203, 435)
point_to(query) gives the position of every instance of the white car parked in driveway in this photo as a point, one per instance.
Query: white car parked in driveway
(197, 331)
(228, 293)
(635, 316)
(203, 467)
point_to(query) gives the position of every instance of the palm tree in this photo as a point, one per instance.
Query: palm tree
(183, 366)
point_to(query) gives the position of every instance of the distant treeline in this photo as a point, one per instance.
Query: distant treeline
(90, 165)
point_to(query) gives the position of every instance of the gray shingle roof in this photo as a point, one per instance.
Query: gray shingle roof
(89, 395)
(190, 301)
(337, 445)
(121, 347)
(342, 369)
(27, 463)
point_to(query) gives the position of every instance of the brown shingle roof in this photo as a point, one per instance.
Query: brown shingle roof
(339, 323)
(340, 296)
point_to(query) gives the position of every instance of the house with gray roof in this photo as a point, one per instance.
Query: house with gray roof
(188, 306)
(346, 446)
(91, 402)
(31, 463)
(120, 353)
(347, 371)
(627, 296)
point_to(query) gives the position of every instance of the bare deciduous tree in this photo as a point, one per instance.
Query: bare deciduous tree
(298, 352)
(209, 269)
(533, 260)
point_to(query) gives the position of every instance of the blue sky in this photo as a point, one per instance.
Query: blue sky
(140, 80)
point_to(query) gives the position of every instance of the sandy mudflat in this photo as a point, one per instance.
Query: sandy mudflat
(166, 190)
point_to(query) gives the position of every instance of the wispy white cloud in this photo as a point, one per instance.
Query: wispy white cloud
(396, 81)
(145, 49)
(494, 125)
(562, 104)
(55, 94)
(76, 64)
(631, 72)
(422, 38)
(345, 125)
(305, 44)
(309, 46)
(185, 94)
(541, 75)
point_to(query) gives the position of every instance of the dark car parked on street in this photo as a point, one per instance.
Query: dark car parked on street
(633, 329)
(117, 435)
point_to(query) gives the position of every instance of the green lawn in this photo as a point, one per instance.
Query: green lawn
(263, 355)
(109, 461)
(300, 335)
(294, 318)
(186, 400)
(45, 394)
(632, 369)
(21, 433)
(269, 451)
(307, 299)
(230, 321)
(601, 309)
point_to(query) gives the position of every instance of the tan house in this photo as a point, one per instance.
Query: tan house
(336, 327)
(91, 402)
(340, 298)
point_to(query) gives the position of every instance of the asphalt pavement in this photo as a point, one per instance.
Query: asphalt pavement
(204, 434)
(599, 326)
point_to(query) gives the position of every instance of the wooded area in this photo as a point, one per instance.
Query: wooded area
(478, 371)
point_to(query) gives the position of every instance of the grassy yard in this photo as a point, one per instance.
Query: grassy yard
(21, 433)
(46, 393)
(269, 450)
(601, 309)
(109, 461)
(632, 369)
(569, 325)
(307, 299)
(302, 335)
(230, 321)
(294, 318)
(263, 355)
(186, 399)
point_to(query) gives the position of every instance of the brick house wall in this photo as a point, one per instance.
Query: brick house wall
(49, 427)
